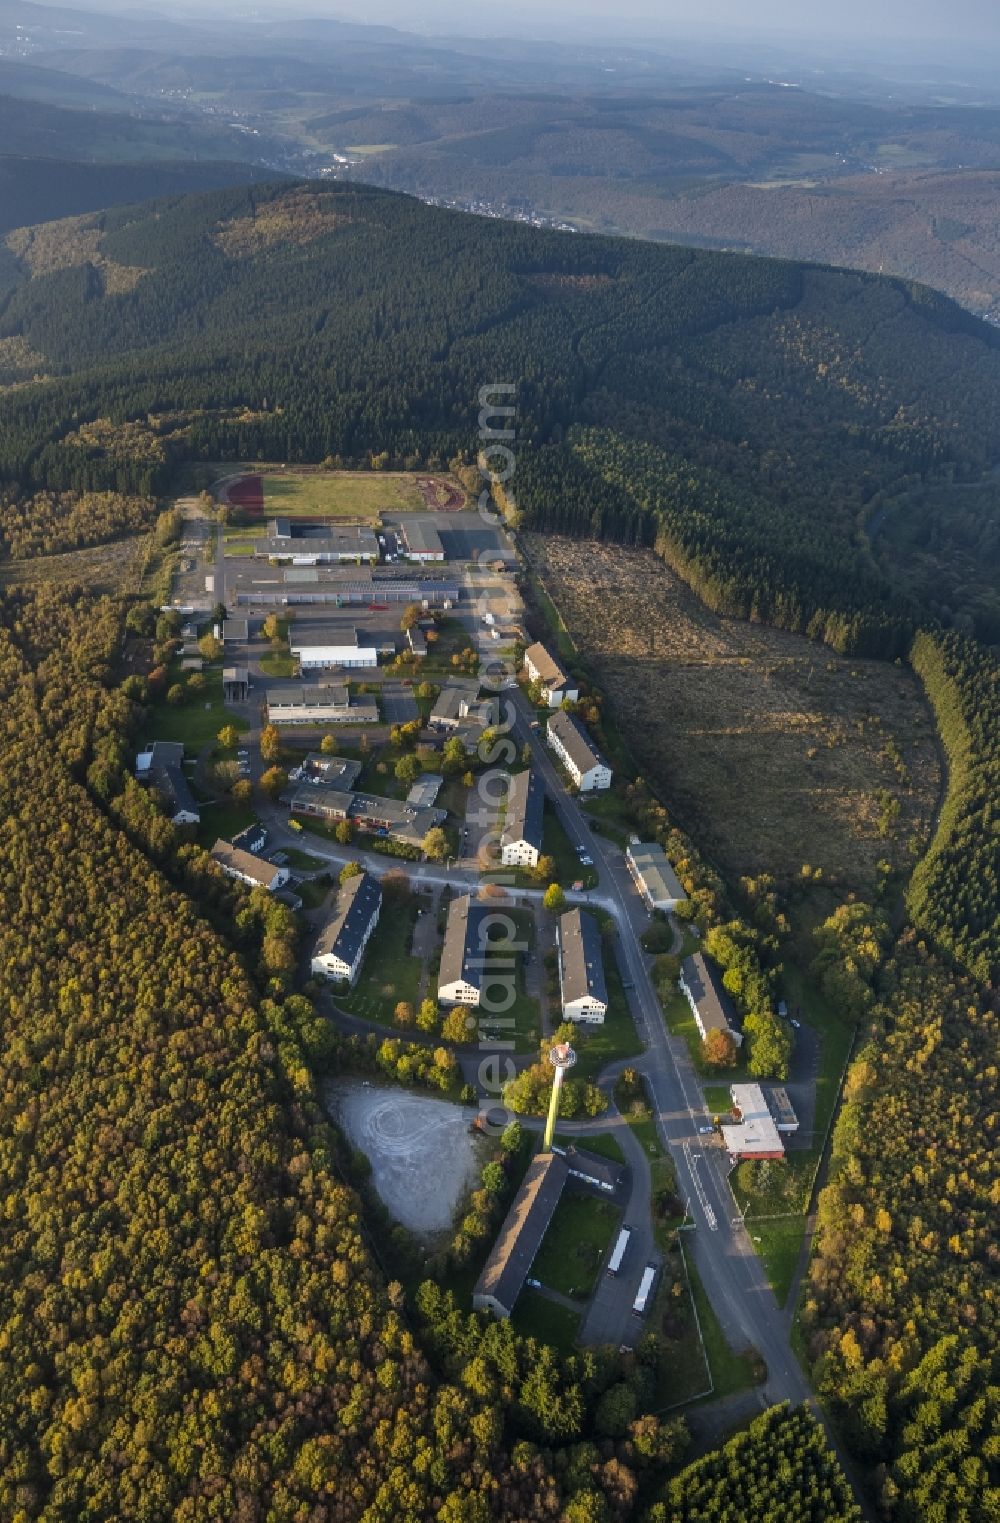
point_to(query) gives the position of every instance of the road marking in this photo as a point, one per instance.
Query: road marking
(699, 1189)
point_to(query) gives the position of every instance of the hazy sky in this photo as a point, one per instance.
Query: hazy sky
(958, 21)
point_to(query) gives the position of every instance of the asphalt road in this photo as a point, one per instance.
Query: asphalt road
(730, 1270)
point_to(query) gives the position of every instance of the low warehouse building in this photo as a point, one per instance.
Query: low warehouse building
(654, 877)
(321, 649)
(421, 541)
(319, 704)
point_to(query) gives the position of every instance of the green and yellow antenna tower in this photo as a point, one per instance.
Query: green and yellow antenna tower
(561, 1057)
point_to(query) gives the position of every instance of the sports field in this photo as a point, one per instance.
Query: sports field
(356, 495)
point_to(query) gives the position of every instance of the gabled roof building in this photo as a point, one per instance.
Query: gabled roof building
(710, 1004)
(573, 746)
(341, 943)
(521, 838)
(582, 986)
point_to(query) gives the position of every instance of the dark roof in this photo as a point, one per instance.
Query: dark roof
(602, 1171)
(707, 991)
(462, 954)
(421, 536)
(357, 902)
(523, 1229)
(575, 739)
(525, 810)
(314, 695)
(580, 956)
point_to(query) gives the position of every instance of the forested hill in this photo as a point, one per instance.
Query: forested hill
(747, 416)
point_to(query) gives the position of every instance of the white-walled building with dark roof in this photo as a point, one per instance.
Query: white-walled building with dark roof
(584, 763)
(583, 989)
(521, 838)
(341, 943)
(542, 667)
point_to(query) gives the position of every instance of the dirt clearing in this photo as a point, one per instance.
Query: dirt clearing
(771, 750)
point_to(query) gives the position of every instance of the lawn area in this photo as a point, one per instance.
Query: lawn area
(681, 1022)
(574, 1246)
(198, 720)
(279, 663)
(222, 821)
(535, 1317)
(302, 861)
(557, 845)
(610, 816)
(730, 1372)
(389, 972)
(526, 1032)
(340, 494)
(605, 1144)
(718, 1099)
(312, 893)
(779, 1243)
(617, 1038)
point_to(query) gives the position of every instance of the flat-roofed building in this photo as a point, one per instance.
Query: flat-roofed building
(583, 989)
(543, 668)
(710, 1005)
(235, 631)
(311, 545)
(520, 1235)
(421, 541)
(341, 943)
(521, 838)
(322, 770)
(654, 877)
(316, 649)
(379, 816)
(235, 683)
(754, 1133)
(781, 1109)
(248, 868)
(454, 703)
(319, 703)
(571, 743)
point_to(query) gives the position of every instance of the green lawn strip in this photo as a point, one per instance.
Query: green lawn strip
(681, 1022)
(574, 1246)
(536, 1317)
(604, 1144)
(390, 972)
(312, 893)
(526, 1031)
(552, 616)
(198, 720)
(718, 1099)
(682, 1368)
(616, 1038)
(303, 861)
(610, 816)
(222, 821)
(779, 1243)
(278, 663)
(730, 1371)
(557, 845)
(668, 1207)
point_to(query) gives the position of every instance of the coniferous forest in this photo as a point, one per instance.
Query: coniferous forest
(195, 1325)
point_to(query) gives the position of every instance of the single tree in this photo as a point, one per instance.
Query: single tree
(554, 899)
(350, 870)
(718, 1049)
(435, 844)
(228, 737)
(270, 742)
(274, 781)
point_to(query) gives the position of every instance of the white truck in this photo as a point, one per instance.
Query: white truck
(644, 1291)
(618, 1252)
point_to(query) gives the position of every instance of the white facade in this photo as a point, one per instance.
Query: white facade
(590, 772)
(543, 669)
(331, 965)
(458, 993)
(323, 657)
(519, 854)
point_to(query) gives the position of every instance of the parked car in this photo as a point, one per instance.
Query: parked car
(703, 1130)
(797, 1024)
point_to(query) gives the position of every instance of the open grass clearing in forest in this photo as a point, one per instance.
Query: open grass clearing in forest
(198, 719)
(115, 567)
(355, 495)
(825, 748)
